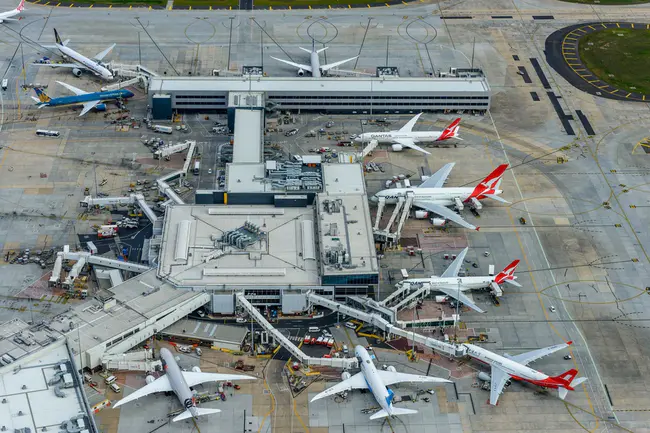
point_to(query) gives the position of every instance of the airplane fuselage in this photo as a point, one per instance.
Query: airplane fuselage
(177, 381)
(465, 283)
(516, 370)
(382, 394)
(88, 97)
(315, 64)
(9, 14)
(86, 62)
(440, 196)
(391, 136)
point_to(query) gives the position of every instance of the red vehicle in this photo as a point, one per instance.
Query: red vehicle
(313, 340)
(307, 339)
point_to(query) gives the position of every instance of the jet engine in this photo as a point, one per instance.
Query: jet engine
(196, 369)
(484, 377)
(391, 369)
(345, 375)
(397, 147)
(301, 72)
(100, 107)
(438, 222)
(149, 379)
(76, 72)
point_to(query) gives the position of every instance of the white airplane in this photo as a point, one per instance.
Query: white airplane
(376, 381)
(433, 197)
(6, 16)
(81, 63)
(315, 68)
(453, 286)
(406, 137)
(508, 367)
(179, 382)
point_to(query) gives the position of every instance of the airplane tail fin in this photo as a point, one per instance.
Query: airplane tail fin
(507, 274)
(57, 38)
(394, 411)
(565, 379)
(199, 411)
(563, 391)
(489, 186)
(42, 96)
(451, 131)
(21, 6)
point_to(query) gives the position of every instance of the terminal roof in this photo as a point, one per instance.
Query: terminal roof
(279, 255)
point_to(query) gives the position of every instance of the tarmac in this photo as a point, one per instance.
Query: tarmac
(583, 249)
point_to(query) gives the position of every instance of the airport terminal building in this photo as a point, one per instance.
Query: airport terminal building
(356, 95)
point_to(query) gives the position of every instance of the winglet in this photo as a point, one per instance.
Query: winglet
(478, 228)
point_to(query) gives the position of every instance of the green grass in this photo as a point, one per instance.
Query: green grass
(234, 3)
(620, 57)
(608, 2)
(205, 3)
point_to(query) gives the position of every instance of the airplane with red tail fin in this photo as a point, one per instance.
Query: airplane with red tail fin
(507, 367)
(453, 286)
(432, 196)
(405, 137)
(6, 16)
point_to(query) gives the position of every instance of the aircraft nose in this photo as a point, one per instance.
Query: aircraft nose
(374, 199)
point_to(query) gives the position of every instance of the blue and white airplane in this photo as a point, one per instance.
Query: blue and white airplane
(88, 100)
(377, 381)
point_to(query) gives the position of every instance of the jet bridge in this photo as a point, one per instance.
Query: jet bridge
(343, 363)
(102, 261)
(389, 329)
(90, 201)
(421, 292)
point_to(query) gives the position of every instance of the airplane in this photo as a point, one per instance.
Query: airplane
(433, 197)
(508, 367)
(377, 381)
(406, 137)
(88, 100)
(6, 16)
(315, 68)
(179, 382)
(81, 62)
(453, 286)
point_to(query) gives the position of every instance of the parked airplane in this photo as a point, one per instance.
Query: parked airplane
(453, 286)
(376, 381)
(88, 100)
(406, 137)
(6, 16)
(508, 367)
(179, 382)
(315, 68)
(433, 197)
(81, 62)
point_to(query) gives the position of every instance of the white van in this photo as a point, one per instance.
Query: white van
(350, 325)
(115, 388)
(110, 379)
(313, 329)
(345, 349)
(5, 84)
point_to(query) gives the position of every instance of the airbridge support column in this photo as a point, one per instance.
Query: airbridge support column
(343, 363)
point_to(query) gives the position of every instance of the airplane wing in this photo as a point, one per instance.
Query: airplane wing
(358, 381)
(391, 377)
(444, 212)
(454, 268)
(528, 357)
(459, 296)
(408, 142)
(497, 382)
(335, 64)
(89, 106)
(194, 378)
(73, 89)
(159, 385)
(410, 124)
(61, 65)
(437, 180)
(100, 56)
(295, 65)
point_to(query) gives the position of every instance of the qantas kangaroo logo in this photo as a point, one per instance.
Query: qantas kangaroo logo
(507, 273)
(450, 131)
(490, 184)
